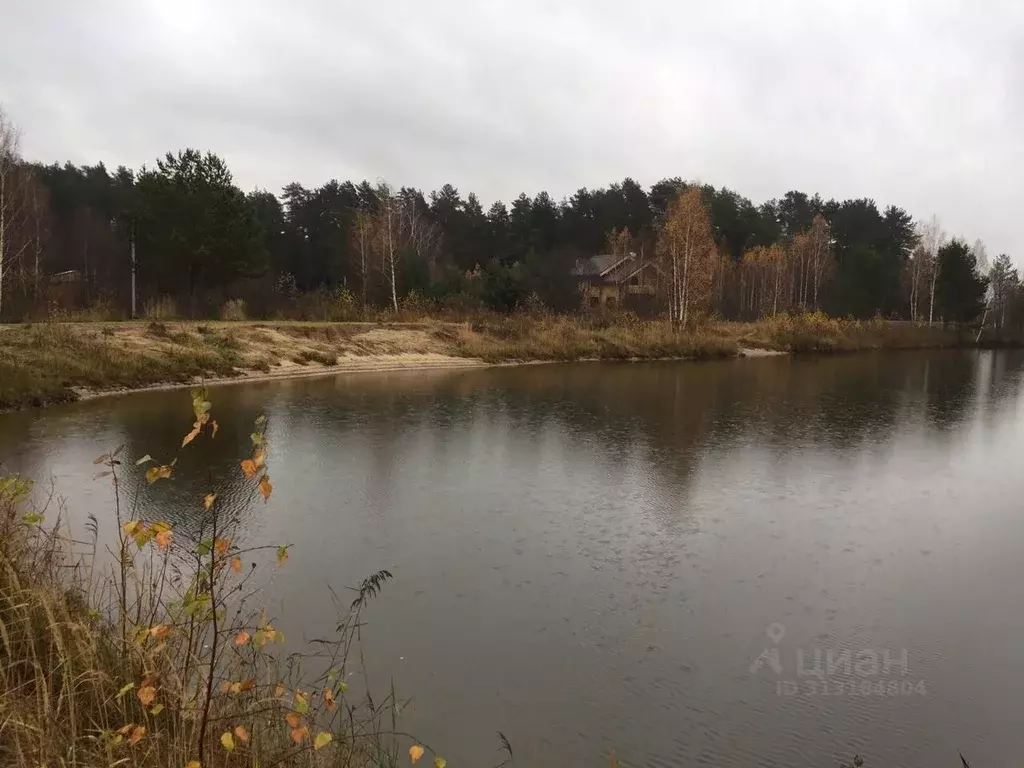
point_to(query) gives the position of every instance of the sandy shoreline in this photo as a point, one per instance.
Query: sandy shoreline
(345, 365)
(373, 364)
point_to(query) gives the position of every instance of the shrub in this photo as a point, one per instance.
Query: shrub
(160, 308)
(164, 659)
(233, 309)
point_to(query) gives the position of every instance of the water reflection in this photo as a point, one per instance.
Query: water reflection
(587, 555)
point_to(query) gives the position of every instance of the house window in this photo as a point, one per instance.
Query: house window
(593, 301)
(610, 303)
(634, 280)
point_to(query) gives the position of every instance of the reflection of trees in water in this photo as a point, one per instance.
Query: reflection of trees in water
(656, 419)
(673, 414)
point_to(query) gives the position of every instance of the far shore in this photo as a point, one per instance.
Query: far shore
(46, 363)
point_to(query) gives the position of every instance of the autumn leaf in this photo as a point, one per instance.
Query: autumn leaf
(208, 500)
(300, 734)
(225, 686)
(124, 689)
(163, 539)
(227, 741)
(293, 719)
(158, 473)
(242, 638)
(236, 564)
(266, 488)
(249, 468)
(440, 762)
(191, 435)
(282, 555)
(131, 527)
(221, 546)
(415, 753)
(301, 703)
(125, 729)
(194, 764)
(146, 695)
(322, 740)
(157, 709)
(159, 631)
(278, 691)
(241, 733)
(329, 699)
(137, 733)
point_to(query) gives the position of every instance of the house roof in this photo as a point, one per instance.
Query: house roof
(593, 266)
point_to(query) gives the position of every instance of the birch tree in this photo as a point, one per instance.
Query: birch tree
(686, 252)
(931, 238)
(14, 208)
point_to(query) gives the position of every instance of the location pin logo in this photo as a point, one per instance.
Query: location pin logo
(776, 632)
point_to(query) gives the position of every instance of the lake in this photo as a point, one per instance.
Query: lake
(655, 558)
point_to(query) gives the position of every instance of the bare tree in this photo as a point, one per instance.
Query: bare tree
(13, 207)
(362, 235)
(932, 239)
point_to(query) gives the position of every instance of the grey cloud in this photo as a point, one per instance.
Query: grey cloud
(915, 103)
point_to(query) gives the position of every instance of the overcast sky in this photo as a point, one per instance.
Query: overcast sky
(915, 103)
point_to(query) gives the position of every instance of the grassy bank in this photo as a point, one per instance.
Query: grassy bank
(54, 362)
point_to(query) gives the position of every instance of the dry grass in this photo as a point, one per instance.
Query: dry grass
(523, 338)
(817, 333)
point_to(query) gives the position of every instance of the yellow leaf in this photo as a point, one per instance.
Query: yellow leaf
(225, 686)
(163, 539)
(440, 762)
(266, 488)
(191, 435)
(300, 734)
(242, 638)
(227, 741)
(131, 528)
(158, 473)
(221, 546)
(293, 719)
(282, 555)
(236, 564)
(322, 740)
(329, 699)
(415, 753)
(194, 764)
(124, 729)
(208, 500)
(215, 428)
(241, 733)
(279, 691)
(137, 735)
(146, 695)
(249, 468)
(248, 685)
(159, 631)
(157, 709)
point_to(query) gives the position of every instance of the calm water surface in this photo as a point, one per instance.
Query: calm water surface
(588, 557)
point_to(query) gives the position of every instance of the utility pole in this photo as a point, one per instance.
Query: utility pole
(133, 271)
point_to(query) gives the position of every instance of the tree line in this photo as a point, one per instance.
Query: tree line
(186, 232)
